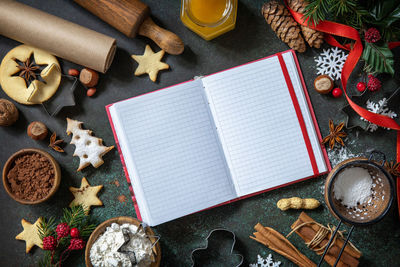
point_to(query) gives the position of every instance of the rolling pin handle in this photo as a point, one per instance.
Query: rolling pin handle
(167, 40)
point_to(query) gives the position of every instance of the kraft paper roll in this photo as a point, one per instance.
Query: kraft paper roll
(57, 36)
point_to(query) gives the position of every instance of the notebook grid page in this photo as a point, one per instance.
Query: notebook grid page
(174, 146)
(298, 88)
(258, 126)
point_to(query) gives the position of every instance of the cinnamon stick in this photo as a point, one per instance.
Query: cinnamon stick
(307, 233)
(349, 249)
(277, 242)
(350, 255)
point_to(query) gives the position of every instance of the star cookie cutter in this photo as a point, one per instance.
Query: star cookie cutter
(64, 97)
(352, 119)
(131, 253)
(201, 255)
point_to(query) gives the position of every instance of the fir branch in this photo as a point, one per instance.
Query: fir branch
(87, 230)
(74, 216)
(45, 261)
(316, 10)
(47, 227)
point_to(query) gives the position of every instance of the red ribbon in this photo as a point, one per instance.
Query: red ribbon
(332, 28)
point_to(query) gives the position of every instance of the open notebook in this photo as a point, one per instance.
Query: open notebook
(220, 138)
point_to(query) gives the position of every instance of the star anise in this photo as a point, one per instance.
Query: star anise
(54, 144)
(336, 135)
(29, 70)
(393, 168)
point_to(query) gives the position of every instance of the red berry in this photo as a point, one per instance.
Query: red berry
(49, 243)
(62, 230)
(337, 92)
(91, 91)
(76, 244)
(374, 84)
(74, 232)
(73, 72)
(361, 86)
(372, 35)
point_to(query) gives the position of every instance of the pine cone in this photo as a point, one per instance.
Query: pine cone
(313, 38)
(284, 26)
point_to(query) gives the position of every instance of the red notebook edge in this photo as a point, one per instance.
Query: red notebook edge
(138, 215)
(313, 117)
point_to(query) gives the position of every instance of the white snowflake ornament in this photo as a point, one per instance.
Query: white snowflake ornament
(268, 262)
(330, 62)
(378, 108)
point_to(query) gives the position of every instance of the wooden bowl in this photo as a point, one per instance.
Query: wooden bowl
(121, 220)
(9, 165)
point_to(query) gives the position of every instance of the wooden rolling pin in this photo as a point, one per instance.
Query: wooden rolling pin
(131, 17)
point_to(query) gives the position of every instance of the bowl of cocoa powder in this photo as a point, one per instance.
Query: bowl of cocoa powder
(31, 176)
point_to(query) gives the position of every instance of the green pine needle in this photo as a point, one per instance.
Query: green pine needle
(74, 217)
(47, 227)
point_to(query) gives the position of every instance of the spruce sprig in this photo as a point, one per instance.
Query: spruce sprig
(47, 227)
(75, 217)
(349, 12)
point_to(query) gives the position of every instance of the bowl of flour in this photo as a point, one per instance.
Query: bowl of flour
(122, 242)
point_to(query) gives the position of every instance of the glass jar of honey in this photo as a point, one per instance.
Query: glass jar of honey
(209, 18)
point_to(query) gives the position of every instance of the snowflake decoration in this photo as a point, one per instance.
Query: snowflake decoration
(268, 262)
(378, 108)
(330, 62)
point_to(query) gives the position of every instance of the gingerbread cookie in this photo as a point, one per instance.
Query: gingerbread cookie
(86, 195)
(89, 149)
(150, 63)
(29, 75)
(30, 234)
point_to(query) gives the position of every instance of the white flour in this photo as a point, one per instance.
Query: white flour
(104, 251)
(353, 186)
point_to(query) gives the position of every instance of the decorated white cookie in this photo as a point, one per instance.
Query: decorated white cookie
(89, 149)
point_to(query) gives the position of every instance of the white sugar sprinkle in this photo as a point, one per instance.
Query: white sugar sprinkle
(353, 186)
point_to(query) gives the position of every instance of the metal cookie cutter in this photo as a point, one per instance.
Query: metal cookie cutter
(129, 252)
(202, 256)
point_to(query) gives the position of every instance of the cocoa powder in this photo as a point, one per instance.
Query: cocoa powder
(31, 177)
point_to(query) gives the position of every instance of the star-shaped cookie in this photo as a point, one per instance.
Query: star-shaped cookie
(150, 63)
(86, 195)
(30, 234)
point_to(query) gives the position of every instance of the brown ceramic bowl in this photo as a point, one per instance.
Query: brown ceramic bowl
(121, 220)
(9, 165)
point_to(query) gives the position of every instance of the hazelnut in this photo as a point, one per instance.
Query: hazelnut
(37, 130)
(73, 72)
(8, 113)
(91, 91)
(89, 77)
(323, 84)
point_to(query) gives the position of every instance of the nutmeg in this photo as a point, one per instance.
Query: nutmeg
(8, 112)
(323, 84)
(89, 77)
(37, 130)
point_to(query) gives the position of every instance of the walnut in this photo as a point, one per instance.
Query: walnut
(8, 113)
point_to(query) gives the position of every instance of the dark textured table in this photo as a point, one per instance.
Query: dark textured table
(252, 39)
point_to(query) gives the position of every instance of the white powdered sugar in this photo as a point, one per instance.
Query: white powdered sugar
(353, 186)
(104, 252)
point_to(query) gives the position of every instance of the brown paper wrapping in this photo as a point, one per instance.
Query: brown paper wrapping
(57, 36)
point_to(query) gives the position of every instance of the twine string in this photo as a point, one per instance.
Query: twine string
(322, 234)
